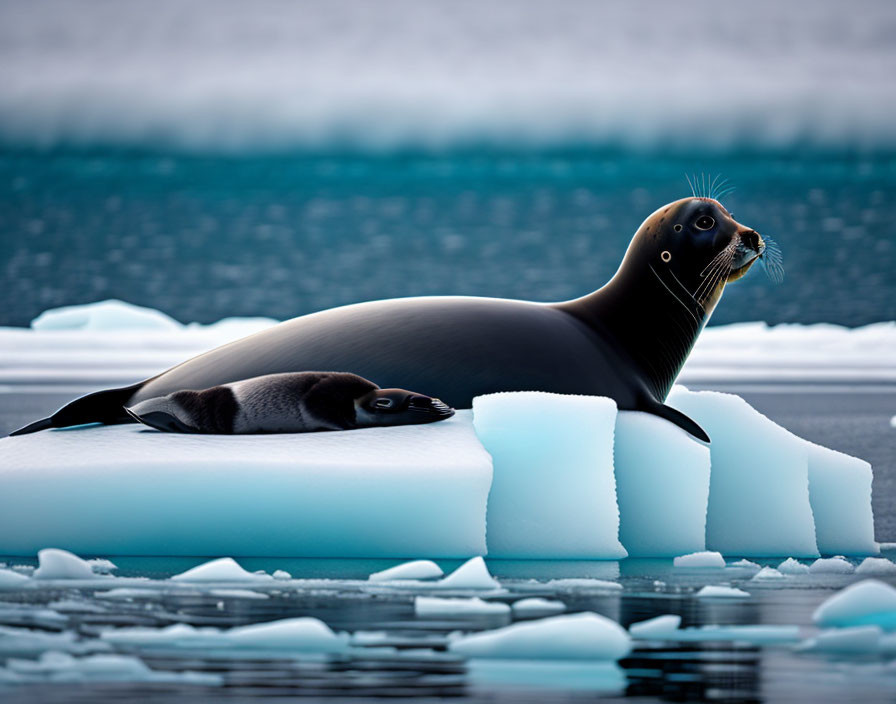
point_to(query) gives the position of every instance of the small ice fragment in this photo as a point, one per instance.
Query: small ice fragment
(746, 564)
(238, 594)
(791, 566)
(658, 628)
(869, 602)
(29, 642)
(536, 606)
(61, 564)
(281, 574)
(713, 591)
(437, 606)
(583, 584)
(707, 558)
(416, 569)
(854, 639)
(893, 422)
(768, 574)
(584, 636)
(473, 574)
(128, 593)
(876, 565)
(61, 667)
(831, 565)
(101, 565)
(224, 569)
(12, 580)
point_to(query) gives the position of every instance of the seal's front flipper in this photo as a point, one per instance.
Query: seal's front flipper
(678, 418)
(161, 420)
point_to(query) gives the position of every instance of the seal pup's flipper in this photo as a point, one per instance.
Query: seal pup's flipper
(99, 407)
(161, 420)
(690, 426)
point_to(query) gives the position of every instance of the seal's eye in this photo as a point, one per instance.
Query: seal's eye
(383, 403)
(704, 222)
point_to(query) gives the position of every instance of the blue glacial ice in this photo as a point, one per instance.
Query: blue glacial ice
(526, 475)
(869, 602)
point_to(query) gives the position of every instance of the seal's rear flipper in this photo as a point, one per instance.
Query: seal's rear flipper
(678, 418)
(99, 407)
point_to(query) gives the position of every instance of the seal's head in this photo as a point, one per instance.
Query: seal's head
(398, 407)
(695, 247)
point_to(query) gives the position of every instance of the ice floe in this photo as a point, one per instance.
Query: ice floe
(831, 565)
(869, 602)
(791, 566)
(768, 574)
(536, 607)
(61, 564)
(876, 565)
(12, 580)
(62, 667)
(582, 584)
(668, 628)
(714, 591)
(473, 574)
(703, 559)
(584, 636)
(224, 569)
(416, 569)
(474, 606)
(852, 639)
(105, 315)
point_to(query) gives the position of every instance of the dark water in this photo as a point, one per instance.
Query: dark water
(205, 238)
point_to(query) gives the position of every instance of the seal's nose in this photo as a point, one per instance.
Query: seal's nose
(753, 240)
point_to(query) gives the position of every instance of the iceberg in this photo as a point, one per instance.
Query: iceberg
(768, 574)
(584, 636)
(554, 490)
(473, 574)
(61, 564)
(662, 486)
(703, 559)
(537, 607)
(717, 591)
(831, 565)
(876, 565)
(224, 569)
(791, 566)
(104, 315)
(379, 492)
(759, 493)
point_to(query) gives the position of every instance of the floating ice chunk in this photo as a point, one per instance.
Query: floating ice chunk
(662, 486)
(101, 565)
(893, 422)
(224, 569)
(831, 565)
(416, 569)
(759, 494)
(746, 564)
(302, 494)
(104, 315)
(473, 574)
(281, 574)
(791, 566)
(714, 591)
(852, 639)
(61, 667)
(869, 602)
(304, 634)
(840, 493)
(536, 606)
(238, 594)
(12, 580)
(565, 675)
(554, 491)
(61, 564)
(25, 642)
(699, 559)
(876, 565)
(583, 584)
(667, 628)
(436, 606)
(657, 628)
(768, 574)
(126, 593)
(585, 636)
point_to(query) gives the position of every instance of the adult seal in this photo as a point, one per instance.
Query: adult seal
(628, 340)
(288, 403)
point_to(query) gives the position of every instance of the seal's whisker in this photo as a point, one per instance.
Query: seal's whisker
(690, 183)
(720, 255)
(772, 260)
(712, 186)
(718, 276)
(725, 191)
(720, 268)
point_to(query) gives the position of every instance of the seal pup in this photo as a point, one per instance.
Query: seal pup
(627, 340)
(288, 403)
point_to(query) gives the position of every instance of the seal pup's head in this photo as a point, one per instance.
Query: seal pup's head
(398, 407)
(695, 247)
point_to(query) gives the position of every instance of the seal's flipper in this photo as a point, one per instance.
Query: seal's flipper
(160, 420)
(678, 418)
(99, 407)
